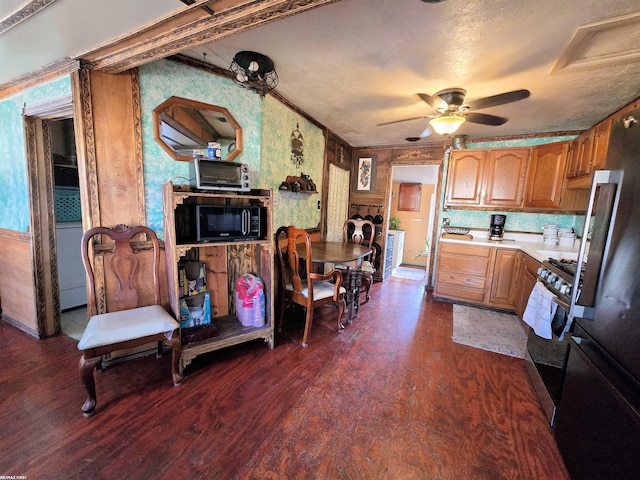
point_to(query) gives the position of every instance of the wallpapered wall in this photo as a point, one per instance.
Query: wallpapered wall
(14, 201)
(266, 132)
(516, 221)
(266, 124)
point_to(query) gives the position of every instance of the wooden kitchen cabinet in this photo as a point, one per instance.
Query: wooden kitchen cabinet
(586, 142)
(589, 154)
(505, 176)
(526, 279)
(463, 272)
(224, 261)
(545, 181)
(504, 286)
(477, 274)
(487, 177)
(409, 197)
(601, 144)
(464, 180)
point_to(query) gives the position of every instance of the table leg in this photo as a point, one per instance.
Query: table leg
(356, 293)
(349, 285)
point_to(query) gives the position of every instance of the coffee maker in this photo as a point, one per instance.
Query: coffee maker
(496, 230)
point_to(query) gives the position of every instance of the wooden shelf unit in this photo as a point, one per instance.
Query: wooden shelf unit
(225, 262)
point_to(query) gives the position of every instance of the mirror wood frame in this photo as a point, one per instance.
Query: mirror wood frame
(178, 101)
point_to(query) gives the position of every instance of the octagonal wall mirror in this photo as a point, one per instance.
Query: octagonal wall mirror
(181, 126)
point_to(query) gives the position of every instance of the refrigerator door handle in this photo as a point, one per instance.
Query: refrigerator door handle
(605, 188)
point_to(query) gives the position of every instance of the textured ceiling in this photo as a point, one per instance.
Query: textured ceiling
(354, 63)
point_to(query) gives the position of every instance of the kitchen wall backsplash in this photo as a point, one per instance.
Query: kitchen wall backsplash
(516, 221)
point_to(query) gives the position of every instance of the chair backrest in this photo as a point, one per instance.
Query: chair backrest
(360, 232)
(294, 270)
(123, 264)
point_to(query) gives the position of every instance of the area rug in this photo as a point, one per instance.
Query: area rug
(489, 330)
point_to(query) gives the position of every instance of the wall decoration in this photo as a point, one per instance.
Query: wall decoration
(339, 154)
(366, 173)
(297, 147)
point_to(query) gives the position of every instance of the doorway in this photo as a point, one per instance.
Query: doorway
(415, 220)
(68, 214)
(56, 218)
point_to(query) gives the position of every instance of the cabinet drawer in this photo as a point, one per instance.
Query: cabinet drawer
(462, 279)
(458, 292)
(467, 265)
(467, 250)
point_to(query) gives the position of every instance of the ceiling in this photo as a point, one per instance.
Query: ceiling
(353, 64)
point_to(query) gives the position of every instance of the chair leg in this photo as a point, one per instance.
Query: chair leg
(86, 375)
(366, 283)
(283, 306)
(341, 307)
(307, 326)
(176, 354)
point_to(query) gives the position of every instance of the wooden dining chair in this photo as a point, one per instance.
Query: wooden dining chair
(128, 317)
(362, 232)
(300, 285)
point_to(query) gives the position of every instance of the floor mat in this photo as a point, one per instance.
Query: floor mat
(488, 330)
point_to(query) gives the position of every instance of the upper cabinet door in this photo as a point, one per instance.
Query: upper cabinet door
(546, 175)
(505, 177)
(409, 197)
(586, 142)
(601, 145)
(464, 180)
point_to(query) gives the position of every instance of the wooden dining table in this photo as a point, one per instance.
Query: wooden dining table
(348, 254)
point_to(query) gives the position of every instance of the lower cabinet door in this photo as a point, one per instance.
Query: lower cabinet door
(504, 285)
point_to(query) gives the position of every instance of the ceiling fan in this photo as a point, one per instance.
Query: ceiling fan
(452, 111)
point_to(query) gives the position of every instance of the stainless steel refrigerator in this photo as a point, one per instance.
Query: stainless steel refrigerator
(598, 419)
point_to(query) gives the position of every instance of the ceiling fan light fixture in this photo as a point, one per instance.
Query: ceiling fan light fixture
(447, 124)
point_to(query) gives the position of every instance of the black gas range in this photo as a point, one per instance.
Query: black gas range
(558, 275)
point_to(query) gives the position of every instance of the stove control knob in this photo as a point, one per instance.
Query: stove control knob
(544, 273)
(551, 277)
(559, 284)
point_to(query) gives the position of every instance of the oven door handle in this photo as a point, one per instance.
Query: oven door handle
(557, 301)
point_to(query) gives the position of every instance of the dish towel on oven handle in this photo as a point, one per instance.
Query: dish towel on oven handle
(540, 311)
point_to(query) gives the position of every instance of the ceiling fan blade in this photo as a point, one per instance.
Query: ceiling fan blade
(400, 121)
(434, 102)
(499, 99)
(426, 132)
(484, 118)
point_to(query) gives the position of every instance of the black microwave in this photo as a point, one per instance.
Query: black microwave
(219, 175)
(220, 223)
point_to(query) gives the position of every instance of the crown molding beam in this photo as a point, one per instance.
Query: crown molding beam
(45, 74)
(23, 13)
(192, 28)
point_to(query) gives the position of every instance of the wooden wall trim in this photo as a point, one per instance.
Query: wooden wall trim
(20, 326)
(55, 108)
(42, 217)
(86, 148)
(137, 134)
(24, 237)
(170, 36)
(21, 14)
(45, 74)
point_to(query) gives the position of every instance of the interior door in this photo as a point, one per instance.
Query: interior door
(337, 202)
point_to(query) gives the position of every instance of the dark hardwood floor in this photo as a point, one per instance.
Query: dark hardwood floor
(390, 398)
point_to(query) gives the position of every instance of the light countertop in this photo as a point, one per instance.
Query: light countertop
(530, 243)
